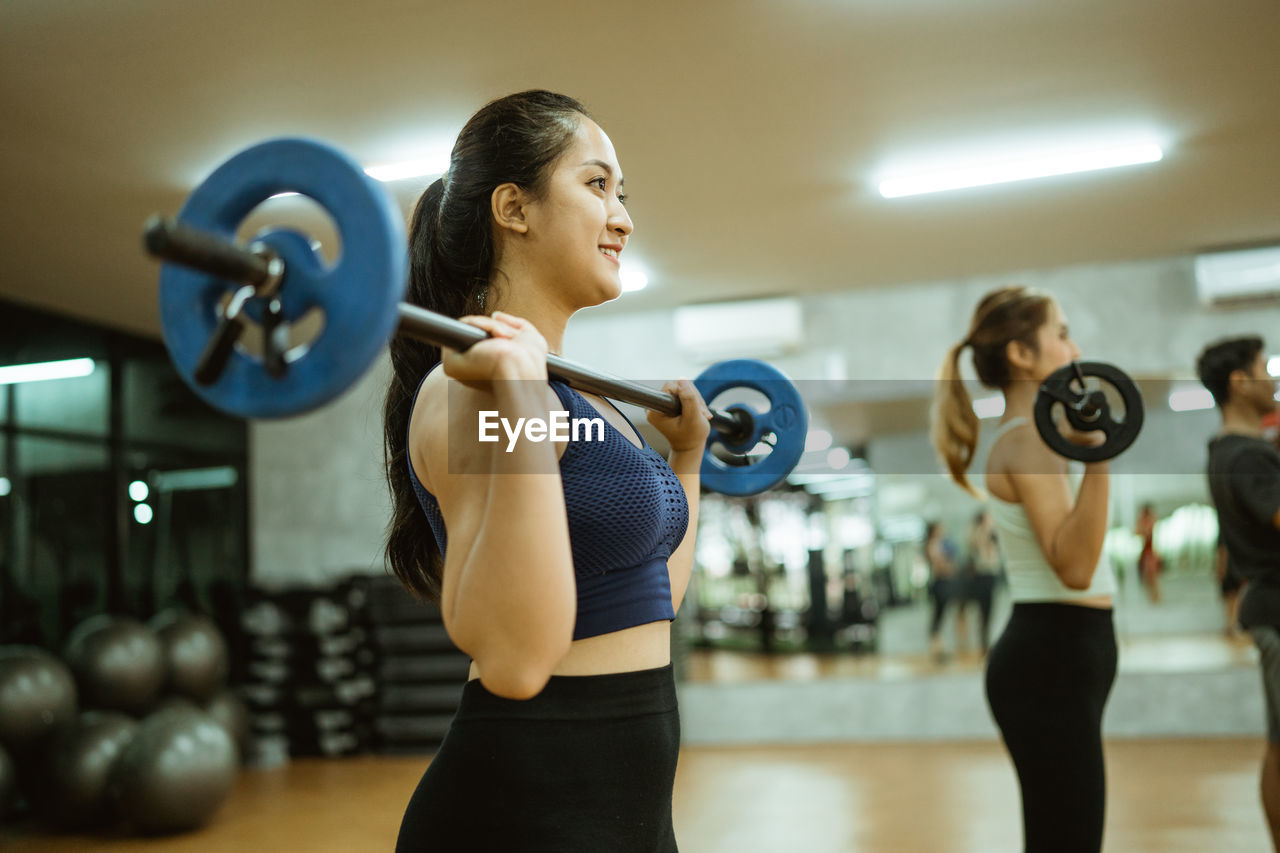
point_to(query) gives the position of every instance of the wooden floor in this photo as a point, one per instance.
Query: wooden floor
(1179, 796)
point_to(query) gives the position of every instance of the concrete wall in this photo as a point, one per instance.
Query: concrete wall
(318, 502)
(1141, 315)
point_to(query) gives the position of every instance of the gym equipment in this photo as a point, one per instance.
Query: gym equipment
(175, 700)
(786, 421)
(211, 287)
(1086, 408)
(73, 794)
(118, 663)
(175, 773)
(37, 698)
(229, 711)
(195, 653)
(358, 294)
(419, 672)
(307, 681)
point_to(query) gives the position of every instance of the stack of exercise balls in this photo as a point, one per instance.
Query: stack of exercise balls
(134, 726)
(37, 702)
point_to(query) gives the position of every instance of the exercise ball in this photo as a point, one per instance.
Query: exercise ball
(173, 700)
(230, 712)
(118, 664)
(175, 773)
(72, 792)
(195, 654)
(37, 698)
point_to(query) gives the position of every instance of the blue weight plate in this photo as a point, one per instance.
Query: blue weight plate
(786, 419)
(359, 294)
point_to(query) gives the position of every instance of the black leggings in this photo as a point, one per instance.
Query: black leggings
(1048, 677)
(982, 590)
(942, 590)
(588, 764)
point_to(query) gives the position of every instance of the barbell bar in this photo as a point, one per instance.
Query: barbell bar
(279, 275)
(262, 269)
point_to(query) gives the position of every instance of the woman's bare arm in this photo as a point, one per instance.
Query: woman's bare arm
(508, 597)
(1070, 531)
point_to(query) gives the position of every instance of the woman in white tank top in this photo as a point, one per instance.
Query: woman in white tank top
(1049, 674)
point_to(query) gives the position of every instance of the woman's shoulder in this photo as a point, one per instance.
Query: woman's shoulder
(1018, 452)
(1024, 451)
(429, 404)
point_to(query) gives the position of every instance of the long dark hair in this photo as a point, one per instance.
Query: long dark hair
(516, 139)
(1005, 314)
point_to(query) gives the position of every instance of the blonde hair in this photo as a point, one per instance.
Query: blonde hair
(1007, 314)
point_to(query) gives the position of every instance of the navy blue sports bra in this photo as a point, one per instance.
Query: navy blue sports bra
(627, 512)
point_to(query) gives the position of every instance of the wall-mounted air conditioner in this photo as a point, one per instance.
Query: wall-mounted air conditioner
(1244, 275)
(756, 328)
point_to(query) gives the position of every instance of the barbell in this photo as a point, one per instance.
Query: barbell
(211, 287)
(1086, 408)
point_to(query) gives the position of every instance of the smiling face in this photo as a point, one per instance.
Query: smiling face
(579, 226)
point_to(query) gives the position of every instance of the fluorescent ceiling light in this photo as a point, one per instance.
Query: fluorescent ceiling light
(5, 486)
(195, 479)
(820, 465)
(1020, 169)
(806, 479)
(854, 485)
(850, 493)
(423, 167)
(420, 168)
(854, 468)
(633, 277)
(142, 514)
(817, 439)
(67, 369)
(1190, 399)
(841, 482)
(989, 407)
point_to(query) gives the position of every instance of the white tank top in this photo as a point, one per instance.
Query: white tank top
(1031, 578)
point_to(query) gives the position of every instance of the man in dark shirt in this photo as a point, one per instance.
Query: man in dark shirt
(1244, 480)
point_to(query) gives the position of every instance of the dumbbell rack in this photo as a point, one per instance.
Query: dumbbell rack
(361, 666)
(418, 670)
(309, 679)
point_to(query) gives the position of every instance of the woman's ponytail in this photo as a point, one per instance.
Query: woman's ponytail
(411, 548)
(1006, 314)
(955, 425)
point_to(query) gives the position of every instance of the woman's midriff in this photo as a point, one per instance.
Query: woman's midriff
(1099, 602)
(629, 650)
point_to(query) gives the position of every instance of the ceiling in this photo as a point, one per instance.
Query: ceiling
(752, 133)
